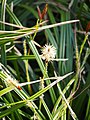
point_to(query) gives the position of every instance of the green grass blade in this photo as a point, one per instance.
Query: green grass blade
(47, 109)
(6, 90)
(10, 110)
(3, 48)
(29, 9)
(26, 115)
(67, 103)
(16, 57)
(15, 19)
(49, 34)
(42, 67)
(52, 19)
(87, 117)
(60, 97)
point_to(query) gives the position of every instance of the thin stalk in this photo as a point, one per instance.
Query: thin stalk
(71, 111)
(84, 41)
(77, 63)
(47, 109)
(26, 67)
(42, 85)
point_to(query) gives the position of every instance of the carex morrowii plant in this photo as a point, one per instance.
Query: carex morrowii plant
(44, 66)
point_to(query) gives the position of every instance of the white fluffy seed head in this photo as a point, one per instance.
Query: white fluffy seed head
(48, 52)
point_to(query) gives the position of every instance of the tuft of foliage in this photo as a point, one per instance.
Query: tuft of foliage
(53, 88)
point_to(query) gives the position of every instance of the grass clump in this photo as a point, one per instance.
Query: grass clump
(44, 66)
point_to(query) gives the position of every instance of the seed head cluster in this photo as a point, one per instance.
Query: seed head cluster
(48, 52)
